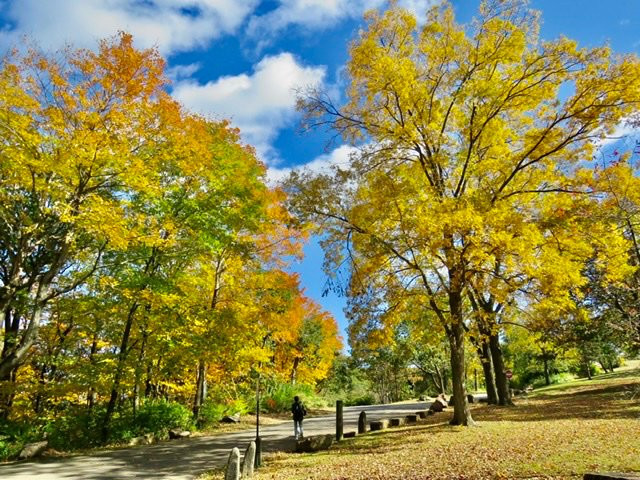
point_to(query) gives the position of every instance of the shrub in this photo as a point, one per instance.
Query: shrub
(14, 435)
(160, 416)
(279, 397)
(76, 428)
(367, 399)
(213, 411)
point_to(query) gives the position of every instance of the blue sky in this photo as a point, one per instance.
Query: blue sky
(243, 59)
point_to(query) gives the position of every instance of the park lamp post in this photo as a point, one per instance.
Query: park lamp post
(258, 458)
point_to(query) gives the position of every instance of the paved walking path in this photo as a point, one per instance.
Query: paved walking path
(188, 458)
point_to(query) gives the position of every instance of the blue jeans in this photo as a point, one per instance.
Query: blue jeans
(297, 429)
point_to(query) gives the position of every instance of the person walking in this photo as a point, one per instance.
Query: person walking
(298, 410)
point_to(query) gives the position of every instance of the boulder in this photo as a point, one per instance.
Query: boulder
(249, 460)
(143, 440)
(177, 434)
(439, 404)
(232, 471)
(378, 425)
(31, 450)
(411, 418)
(349, 435)
(235, 418)
(314, 443)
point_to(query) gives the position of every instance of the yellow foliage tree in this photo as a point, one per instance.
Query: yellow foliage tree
(469, 177)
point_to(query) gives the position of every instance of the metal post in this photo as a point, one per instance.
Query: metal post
(258, 459)
(339, 420)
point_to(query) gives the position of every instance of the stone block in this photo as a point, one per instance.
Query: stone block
(314, 443)
(349, 435)
(378, 425)
(396, 422)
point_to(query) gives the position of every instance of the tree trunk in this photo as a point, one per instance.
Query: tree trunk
(489, 375)
(294, 370)
(441, 377)
(7, 393)
(138, 373)
(15, 351)
(502, 383)
(122, 357)
(148, 387)
(547, 377)
(91, 396)
(461, 412)
(455, 333)
(201, 388)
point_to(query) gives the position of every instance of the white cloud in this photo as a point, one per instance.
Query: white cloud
(321, 164)
(178, 72)
(260, 104)
(618, 137)
(320, 14)
(171, 25)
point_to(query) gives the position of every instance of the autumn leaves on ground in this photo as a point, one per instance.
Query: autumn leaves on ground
(556, 432)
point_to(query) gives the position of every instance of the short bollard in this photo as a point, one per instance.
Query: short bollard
(249, 460)
(362, 423)
(233, 465)
(339, 420)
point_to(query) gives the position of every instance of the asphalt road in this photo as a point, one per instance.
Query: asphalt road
(188, 458)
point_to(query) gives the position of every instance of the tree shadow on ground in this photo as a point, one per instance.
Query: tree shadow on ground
(584, 402)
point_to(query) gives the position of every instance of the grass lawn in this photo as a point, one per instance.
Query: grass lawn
(560, 431)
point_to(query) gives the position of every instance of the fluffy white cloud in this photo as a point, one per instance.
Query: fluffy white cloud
(260, 104)
(172, 25)
(319, 14)
(338, 156)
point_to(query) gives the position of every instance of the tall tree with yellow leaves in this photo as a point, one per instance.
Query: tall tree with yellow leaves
(470, 173)
(80, 136)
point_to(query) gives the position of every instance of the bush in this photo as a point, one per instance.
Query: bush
(14, 435)
(367, 399)
(76, 428)
(160, 416)
(213, 411)
(279, 397)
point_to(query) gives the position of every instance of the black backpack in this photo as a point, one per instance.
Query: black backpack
(298, 410)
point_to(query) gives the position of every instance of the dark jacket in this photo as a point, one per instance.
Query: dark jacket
(298, 410)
